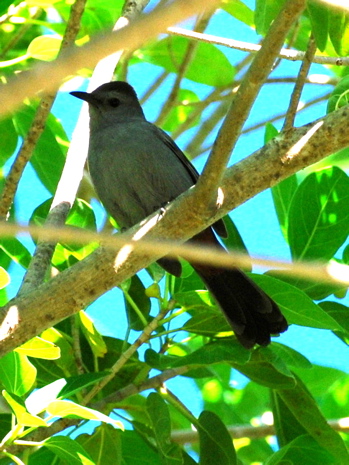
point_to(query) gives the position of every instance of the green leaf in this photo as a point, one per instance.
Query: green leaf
(265, 13)
(290, 356)
(338, 312)
(16, 251)
(339, 96)
(302, 450)
(229, 351)
(234, 240)
(8, 140)
(181, 112)
(287, 427)
(216, 445)
(92, 335)
(170, 52)
(267, 368)
(68, 450)
(338, 20)
(104, 445)
(159, 416)
(65, 408)
(282, 196)
(297, 307)
(75, 384)
(318, 14)
(20, 411)
(239, 10)
(136, 298)
(319, 215)
(44, 47)
(135, 450)
(39, 348)
(49, 153)
(17, 374)
(304, 408)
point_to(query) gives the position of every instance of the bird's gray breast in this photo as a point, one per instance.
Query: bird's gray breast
(134, 171)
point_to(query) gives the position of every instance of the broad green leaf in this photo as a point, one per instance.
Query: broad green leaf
(319, 215)
(44, 47)
(290, 356)
(304, 408)
(137, 304)
(170, 52)
(75, 384)
(160, 421)
(68, 450)
(265, 13)
(338, 20)
(216, 445)
(267, 368)
(62, 341)
(339, 96)
(8, 140)
(64, 408)
(297, 307)
(136, 450)
(318, 13)
(302, 450)
(94, 338)
(315, 290)
(282, 196)
(16, 251)
(207, 322)
(22, 416)
(39, 348)
(49, 154)
(194, 299)
(338, 312)
(234, 240)
(319, 380)
(104, 445)
(287, 427)
(239, 10)
(17, 374)
(181, 112)
(216, 352)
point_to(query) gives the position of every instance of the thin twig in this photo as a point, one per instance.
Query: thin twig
(298, 88)
(125, 356)
(287, 54)
(183, 66)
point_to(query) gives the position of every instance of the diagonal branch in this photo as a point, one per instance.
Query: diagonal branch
(244, 99)
(27, 316)
(49, 75)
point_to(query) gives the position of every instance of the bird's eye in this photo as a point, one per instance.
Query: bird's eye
(114, 102)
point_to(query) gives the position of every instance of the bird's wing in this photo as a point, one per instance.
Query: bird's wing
(219, 226)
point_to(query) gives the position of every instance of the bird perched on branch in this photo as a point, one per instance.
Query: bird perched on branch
(136, 169)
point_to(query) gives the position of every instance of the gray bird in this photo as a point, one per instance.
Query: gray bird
(136, 168)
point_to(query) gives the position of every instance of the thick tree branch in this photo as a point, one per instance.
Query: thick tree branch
(78, 286)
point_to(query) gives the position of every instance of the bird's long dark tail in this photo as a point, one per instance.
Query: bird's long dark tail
(252, 314)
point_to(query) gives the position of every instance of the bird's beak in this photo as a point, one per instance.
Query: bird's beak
(89, 98)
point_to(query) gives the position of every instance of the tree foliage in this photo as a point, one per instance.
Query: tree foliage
(71, 375)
